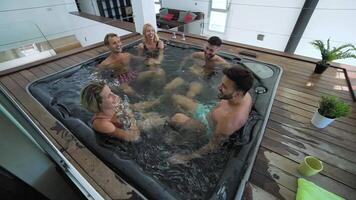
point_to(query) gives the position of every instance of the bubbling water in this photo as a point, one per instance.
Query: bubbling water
(123, 113)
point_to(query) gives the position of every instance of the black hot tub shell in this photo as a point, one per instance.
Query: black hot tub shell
(238, 167)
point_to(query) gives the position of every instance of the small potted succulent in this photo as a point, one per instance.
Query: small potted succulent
(330, 108)
(329, 54)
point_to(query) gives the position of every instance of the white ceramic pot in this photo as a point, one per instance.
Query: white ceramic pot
(320, 121)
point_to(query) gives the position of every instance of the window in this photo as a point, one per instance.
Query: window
(157, 5)
(218, 15)
(217, 21)
(219, 4)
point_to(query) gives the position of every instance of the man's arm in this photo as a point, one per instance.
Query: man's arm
(221, 62)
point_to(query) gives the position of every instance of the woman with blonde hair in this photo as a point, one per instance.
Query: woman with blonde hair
(151, 41)
(151, 48)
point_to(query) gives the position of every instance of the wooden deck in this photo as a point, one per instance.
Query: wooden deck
(288, 138)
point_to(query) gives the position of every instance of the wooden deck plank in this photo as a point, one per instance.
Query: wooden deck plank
(54, 66)
(300, 117)
(320, 143)
(38, 72)
(259, 194)
(284, 150)
(271, 186)
(313, 139)
(315, 88)
(290, 166)
(305, 106)
(284, 172)
(46, 69)
(295, 120)
(307, 149)
(289, 125)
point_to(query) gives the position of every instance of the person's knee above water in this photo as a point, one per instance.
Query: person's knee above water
(98, 98)
(228, 116)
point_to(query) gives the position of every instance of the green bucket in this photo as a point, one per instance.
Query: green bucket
(310, 166)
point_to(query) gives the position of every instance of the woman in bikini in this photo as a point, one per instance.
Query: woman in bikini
(152, 49)
(112, 117)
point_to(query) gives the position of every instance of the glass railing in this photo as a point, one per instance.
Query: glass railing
(25, 41)
(22, 42)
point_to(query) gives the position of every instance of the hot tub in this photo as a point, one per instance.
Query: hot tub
(219, 175)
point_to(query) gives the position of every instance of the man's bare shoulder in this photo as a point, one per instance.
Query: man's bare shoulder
(237, 117)
(105, 62)
(219, 59)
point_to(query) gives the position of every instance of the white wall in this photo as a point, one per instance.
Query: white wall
(143, 12)
(248, 18)
(20, 19)
(334, 20)
(192, 5)
(275, 19)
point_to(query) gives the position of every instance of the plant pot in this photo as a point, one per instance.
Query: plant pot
(320, 68)
(310, 166)
(320, 121)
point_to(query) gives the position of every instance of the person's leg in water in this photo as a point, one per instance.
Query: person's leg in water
(185, 103)
(151, 120)
(154, 73)
(127, 89)
(194, 89)
(175, 83)
(182, 121)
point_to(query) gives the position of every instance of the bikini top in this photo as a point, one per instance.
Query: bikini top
(151, 53)
(116, 123)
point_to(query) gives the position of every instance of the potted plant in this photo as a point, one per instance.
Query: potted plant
(329, 54)
(330, 108)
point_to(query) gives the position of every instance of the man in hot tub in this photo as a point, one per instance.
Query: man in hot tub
(218, 122)
(119, 61)
(206, 64)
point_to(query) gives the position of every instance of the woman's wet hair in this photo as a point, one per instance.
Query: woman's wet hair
(145, 27)
(242, 77)
(90, 96)
(214, 40)
(107, 37)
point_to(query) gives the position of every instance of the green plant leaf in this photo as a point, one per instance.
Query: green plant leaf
(329, 54)
(333, 107)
